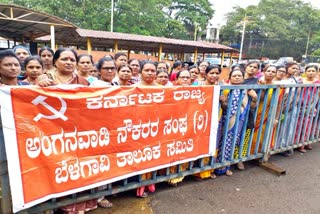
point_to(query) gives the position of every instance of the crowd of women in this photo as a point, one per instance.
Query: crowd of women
(64, 66)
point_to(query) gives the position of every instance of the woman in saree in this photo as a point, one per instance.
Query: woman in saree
(269, 74)
(202, 71)
(236, 77)
(281, 72)
(307, 110)
(84, 66)
(135, 66)
(183, 78)
(22, 52)
(211, 78)
(46, 56)
(194, 71)
(287, 122)
(163, 78)
(148, 78)
(125, 75)
(65, 61)
(34, 68)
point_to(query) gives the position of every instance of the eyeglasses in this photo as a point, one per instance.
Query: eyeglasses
(184, 77)
(108, 68)
(282, 71)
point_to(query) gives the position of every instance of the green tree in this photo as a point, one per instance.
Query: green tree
(169, 18)
(316, 52)
(193, 14)
(275, 28)
(83, 13)
(140, 17)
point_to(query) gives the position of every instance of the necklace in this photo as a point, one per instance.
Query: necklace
(63, 80)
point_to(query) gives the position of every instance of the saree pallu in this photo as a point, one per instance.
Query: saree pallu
(173, 169)
(285, 136)
(207, 173)
(227, 155)
(257, 127)
(151, 187)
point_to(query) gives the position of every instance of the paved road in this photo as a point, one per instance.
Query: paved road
(251, 191)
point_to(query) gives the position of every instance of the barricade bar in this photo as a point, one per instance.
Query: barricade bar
(295, 107)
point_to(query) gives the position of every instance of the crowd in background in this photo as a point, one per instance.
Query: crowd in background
(65, 66)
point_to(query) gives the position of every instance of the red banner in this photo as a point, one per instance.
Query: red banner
(60, 141)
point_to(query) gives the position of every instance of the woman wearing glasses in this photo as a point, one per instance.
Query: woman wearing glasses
(202, 73)
(183, 78)
(107, 68)
(211, 78)
(281, 73)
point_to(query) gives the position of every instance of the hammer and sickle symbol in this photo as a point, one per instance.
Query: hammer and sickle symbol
(56, 114)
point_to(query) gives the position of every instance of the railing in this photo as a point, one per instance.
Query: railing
(285, 117)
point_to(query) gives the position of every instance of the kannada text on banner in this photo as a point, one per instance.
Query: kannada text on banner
(78, 138)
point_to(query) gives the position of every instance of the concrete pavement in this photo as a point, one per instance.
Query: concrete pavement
(251, 191)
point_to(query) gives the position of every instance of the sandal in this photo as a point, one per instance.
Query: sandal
(104, 203)
(144, 195)
(173, 184)
(229, 172)
(302, 150)
(309, 147)
(240, 166)
(213, 176)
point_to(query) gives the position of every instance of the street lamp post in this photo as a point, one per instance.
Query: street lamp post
(111, 22)
(195, 31)
(307, 46)
(242, 38)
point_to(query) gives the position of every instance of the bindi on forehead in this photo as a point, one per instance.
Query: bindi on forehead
(67, 58)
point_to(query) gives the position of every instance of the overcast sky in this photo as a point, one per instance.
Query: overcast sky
(222, 7)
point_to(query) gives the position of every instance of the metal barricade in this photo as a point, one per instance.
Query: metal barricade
(298, 118)
(245, 133)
